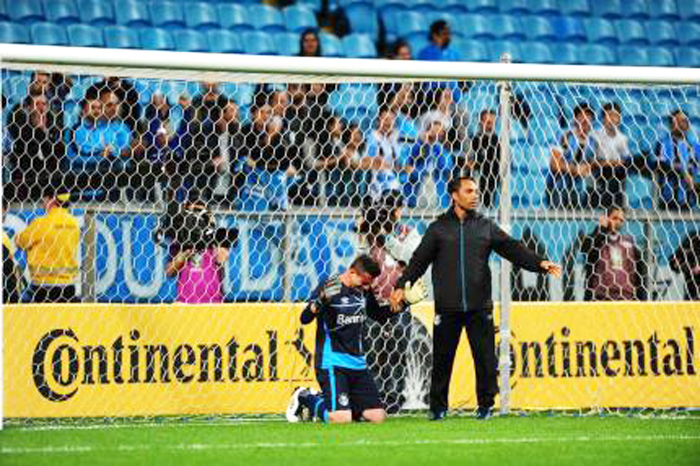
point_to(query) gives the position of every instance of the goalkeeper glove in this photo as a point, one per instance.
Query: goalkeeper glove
(414, 293)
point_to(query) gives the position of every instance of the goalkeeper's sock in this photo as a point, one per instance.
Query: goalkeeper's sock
(316, 405)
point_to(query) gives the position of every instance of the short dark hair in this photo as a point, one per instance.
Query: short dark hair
(365, 264)
(614, 208)
(583, 107)
(486, 111)
(455, 183)
(437, 27)
(608, 106)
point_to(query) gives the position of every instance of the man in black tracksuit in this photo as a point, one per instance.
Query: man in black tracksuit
(458, 245)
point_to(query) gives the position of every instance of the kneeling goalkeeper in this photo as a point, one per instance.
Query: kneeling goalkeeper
(341, 304)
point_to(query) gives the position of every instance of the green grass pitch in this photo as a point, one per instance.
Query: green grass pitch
(537, 440)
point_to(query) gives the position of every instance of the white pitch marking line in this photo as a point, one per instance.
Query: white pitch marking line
(360, 443)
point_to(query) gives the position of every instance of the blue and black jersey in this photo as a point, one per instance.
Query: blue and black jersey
(342, 311)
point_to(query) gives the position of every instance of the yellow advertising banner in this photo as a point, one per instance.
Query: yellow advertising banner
(137, 360)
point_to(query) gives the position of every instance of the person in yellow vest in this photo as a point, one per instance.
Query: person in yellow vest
(51, 243)
(12, 282)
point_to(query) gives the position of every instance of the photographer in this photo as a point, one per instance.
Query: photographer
(198, 252)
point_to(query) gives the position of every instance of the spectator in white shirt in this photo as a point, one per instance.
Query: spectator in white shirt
(611, 148)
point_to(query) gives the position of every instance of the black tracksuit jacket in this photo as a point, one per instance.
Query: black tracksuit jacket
(459, 253)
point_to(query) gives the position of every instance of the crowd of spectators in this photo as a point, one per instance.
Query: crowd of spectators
(288, 147)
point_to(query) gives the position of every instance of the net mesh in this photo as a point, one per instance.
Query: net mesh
(252, 188)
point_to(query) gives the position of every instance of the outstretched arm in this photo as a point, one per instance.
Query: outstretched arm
(514, 251)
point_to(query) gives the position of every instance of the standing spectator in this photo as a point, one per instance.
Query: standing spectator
(458, 245)
(230, 174)
(611, 154)
(37, 152)
(441, 105)
(400, 99)
(430, 167)
(51, 243)
(677, 162)
(195, 258)
(382, 155)
(309, 43)
(570, 163)
(615, 269)
(346, 177)
(127, 97)
(207, 106)
(686, 260)
(158, 139)
(485, 157)
(12, 281)
(439, 48)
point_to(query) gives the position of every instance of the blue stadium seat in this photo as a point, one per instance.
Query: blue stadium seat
(200, 16)
(121, 37)
(287, 43)
(418, 43)
(565, 54)
(472, 50)
(424, 6)
(475, 27)
(314, 5)
(661, 56)
(359, 46)
(498, 47)
(258, 43)
(410, 22)
(631, 32)
(689, 33)
(569, 29)
(156, 39)
(639, 192)
(600, 31)
(689, 10)
(297, 18)
(25, 11)
(190, 40)
(96, 12)
(688, 57)
(346, 3)
(234, 17)
(223, 41)
(48, 34)
(632, 55)
(482, 6)
(385, 6)
(133, 14)
(536, 52)
(331, 46)
(595, 54)
(507, 27)
(538, 28)
(609, 9)
(167, 15)
(544, 131)
(544, 7)
(574, 8)
(514, 7)
(62, 12)
(662, 33)
(266, 18)
(664, 9)
(4, 14)
(362, 19)
(84, 35)
(636, 9)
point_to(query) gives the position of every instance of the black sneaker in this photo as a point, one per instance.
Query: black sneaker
(483, 413)
(294, 409)
(438, 415)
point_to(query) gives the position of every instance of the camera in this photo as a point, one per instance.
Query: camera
(192, 226)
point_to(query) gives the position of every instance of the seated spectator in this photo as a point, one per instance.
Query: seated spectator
(346, 178)
(207, 106)
(611, 153)
(401, 50)
(439, 49)
(382, 156)
(399, 97)
(229, 168)
(570, 163)
(485, 158)
(614, 269)
(37, 152)
(677, 164)
(430, 169)
(309, 43)
(686, 260)
(441, 106)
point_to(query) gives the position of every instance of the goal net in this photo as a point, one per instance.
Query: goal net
(167, 215)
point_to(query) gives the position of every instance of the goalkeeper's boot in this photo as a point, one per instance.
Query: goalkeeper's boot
(437, 415)
(483, 413)
(295, 408)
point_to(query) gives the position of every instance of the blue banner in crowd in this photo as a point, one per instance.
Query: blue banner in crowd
(131, 266)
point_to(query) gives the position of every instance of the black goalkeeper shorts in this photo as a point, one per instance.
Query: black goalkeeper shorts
(348, 389)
